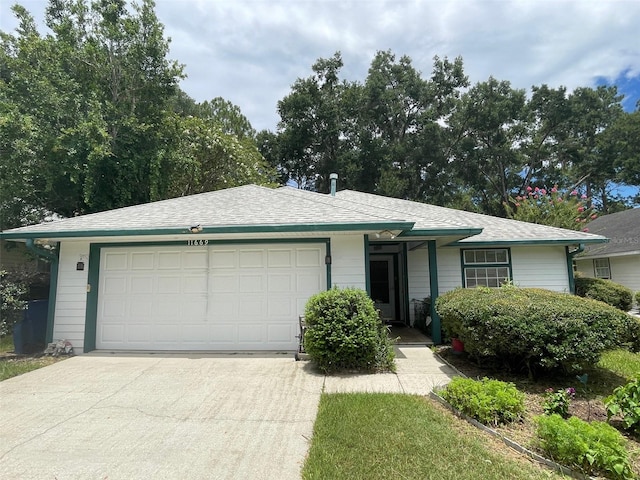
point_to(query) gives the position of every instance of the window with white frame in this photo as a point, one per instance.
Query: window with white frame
(601, 268)
(488, 267)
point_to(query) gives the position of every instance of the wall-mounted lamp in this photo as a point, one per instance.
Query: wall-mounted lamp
(327, 260)
(195, 228)
(386, 233)
(80, 263)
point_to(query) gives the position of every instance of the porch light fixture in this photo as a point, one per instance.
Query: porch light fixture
(386, 233)
(195, 228)
(327, 260)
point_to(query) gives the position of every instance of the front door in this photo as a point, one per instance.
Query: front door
(383, 286)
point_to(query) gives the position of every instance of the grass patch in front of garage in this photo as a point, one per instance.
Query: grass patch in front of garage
(14, 365)
(378, 436)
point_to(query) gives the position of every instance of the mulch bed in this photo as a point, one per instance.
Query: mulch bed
(587, 405)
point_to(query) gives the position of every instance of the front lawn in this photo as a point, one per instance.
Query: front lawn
(14, 365)
(382, 436)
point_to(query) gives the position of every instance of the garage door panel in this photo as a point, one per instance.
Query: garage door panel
(251, 307)
(223, 283)
(194, 260)
(223, 259)
(308, 283)
(116, 308)
(279, 333)
(141, 285)
(309, 257)
(280, 282)
(224, 334)
(143, 261)
(114, 285)
(281, 258)
(251, 333)
(196, 284)
(218, 297)
(251, 283)
(169, 260)
(115, 261)
(280, 306)
(251, 258)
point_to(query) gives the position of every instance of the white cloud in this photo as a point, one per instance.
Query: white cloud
(251, 51)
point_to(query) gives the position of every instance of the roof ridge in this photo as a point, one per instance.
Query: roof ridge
(329, 199)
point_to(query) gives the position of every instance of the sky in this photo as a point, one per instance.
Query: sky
(250, 52)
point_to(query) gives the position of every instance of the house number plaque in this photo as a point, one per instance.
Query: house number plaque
(197, 243)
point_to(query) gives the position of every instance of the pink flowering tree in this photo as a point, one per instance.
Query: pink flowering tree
(551, 207)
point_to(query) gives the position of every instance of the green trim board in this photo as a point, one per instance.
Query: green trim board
(464, 265)
(93, 286)
(436, 327)
(405, 283)
(93, 280)
(500, 243)
(570, 254)
(367, 267)
(441, 232)
(279, 228)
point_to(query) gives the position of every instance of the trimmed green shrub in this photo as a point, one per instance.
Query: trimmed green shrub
(489, 401)
(532, 329)
(345, 332)
(625, 402)
(606, 291)
(593, 448)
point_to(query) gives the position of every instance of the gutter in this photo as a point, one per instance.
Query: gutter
(53, 282)
(570, 254)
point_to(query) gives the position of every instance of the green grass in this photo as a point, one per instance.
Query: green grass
(14, 366)
(621, 362)
(382, 436)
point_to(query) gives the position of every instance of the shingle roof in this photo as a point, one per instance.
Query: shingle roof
(623, 230)
(254, 206)
(494, 229)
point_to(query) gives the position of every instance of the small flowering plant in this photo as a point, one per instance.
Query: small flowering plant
(551, 207)
(558, 401)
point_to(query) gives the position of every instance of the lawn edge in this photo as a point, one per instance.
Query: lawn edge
(511, 443)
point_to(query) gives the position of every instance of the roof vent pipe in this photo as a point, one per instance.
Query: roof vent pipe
(334, 182)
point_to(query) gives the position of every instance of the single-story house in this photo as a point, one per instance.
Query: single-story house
(619, 259)
(233, 269)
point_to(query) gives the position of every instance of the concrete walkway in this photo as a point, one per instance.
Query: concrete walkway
(218, 416)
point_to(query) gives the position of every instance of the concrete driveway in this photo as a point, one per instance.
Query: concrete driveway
(146, 416)
(159, 416)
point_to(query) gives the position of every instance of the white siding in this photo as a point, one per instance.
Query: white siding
(347, 261)
(625, 270)
(418, 275)
(71, 294)
(540, 267)
(449, 269)
(532, 266)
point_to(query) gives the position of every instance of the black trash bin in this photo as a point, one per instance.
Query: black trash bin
(29, 335)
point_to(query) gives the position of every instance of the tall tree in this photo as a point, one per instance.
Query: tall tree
(489, 124)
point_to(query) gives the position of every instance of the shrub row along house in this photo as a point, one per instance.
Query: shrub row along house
(233, 269)
(618, 260)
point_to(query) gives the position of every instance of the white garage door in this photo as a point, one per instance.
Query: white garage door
(213, 297)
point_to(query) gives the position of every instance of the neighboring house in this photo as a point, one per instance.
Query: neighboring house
(233, 269)
(618, 260)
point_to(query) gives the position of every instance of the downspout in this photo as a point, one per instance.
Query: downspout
(53, 282)
(570, 254)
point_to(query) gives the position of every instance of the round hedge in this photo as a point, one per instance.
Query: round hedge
(533, 328)
(344, 331)
(606, 291)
